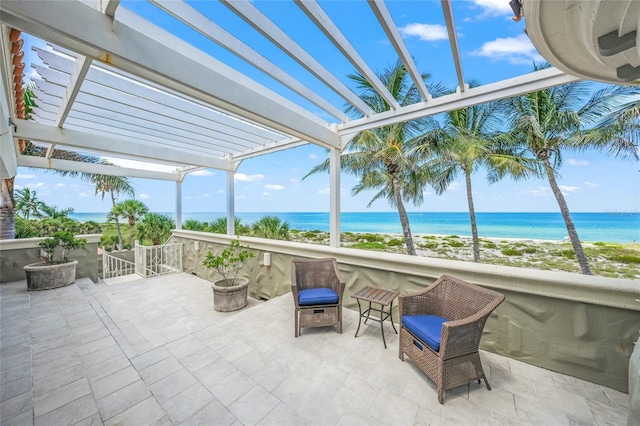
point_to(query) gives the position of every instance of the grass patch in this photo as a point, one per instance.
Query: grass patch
(370, 246)
(456, 243)
(394, 242)
(371, 238)
(511, 251)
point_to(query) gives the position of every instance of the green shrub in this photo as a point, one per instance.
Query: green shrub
(599, 244)
(370, 246)
(309, 234)
(626, 258)
(456, 243)
(511, 251)
(452, 236)
(395, 242)
(489, 244)
(569, 254)
(431, 245)
(429, 237)
(371, 238)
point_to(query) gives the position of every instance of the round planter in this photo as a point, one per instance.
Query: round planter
(230, 294)
(41, 276)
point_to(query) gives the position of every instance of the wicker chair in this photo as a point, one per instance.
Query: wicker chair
(441, 327)
(317, 293)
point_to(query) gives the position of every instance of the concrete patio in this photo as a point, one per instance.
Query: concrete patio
(154, 351)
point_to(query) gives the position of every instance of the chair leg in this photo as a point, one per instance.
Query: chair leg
(340, 320)
(440, 394)
(486, 382)
(297, 330)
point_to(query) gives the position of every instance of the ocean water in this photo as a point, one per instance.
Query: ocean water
(623, 227)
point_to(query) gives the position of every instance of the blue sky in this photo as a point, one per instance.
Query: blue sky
(492, 47)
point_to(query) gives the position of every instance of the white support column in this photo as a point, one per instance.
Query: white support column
(230, 203)
(179, 205)
(334, 197)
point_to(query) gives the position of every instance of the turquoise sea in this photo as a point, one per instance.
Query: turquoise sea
(623, 227)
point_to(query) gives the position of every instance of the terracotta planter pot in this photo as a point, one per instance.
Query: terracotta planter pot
(41, 276)
(230, 295)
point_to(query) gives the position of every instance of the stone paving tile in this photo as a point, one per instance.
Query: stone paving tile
(160, 370)
(254, 405)
(110, 366)
(117, 402)
(58, 379)
(57, 398)
(69, 414)
(15, 388)
(149, 358)
(186, 403)
(103, 355)
(145, 412)
(114, 381)
(232, 387)
(96, 345)
(55, 353)
(214, 372)
(16, 405)
(172, 385)
(54, 366)
(23, 419)
(15, 373)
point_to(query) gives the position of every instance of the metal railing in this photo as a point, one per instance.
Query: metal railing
(113, 266)
(158, 260)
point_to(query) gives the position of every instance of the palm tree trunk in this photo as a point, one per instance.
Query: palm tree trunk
(7, 210)
(120, 243)
(571, 229)
(472, 216)
(404, 219)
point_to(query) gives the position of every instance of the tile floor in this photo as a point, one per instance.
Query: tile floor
(153, 351)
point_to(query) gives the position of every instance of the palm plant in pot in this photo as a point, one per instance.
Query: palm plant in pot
(229, 292)
(55, 270)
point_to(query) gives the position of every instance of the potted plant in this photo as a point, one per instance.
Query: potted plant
(230, 292)
(55, 270)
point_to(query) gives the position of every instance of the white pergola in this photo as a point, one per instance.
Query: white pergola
(114, 84)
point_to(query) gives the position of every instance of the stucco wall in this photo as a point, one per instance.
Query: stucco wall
(578, 325)
(14, 254)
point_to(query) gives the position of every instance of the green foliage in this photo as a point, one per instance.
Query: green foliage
(271, 227)
(394, 242)
(626, 258)
(488, 244)
(63, 240)
(131, 210)
(25, 228)
(229, 261)
(456, 243)
(511, 251)
(219, 226)
(309, 234)
(154, 227)
(371, 238)
(452, 236)
(194, 225)
(431, 245)
(370, 246)
(109, 242)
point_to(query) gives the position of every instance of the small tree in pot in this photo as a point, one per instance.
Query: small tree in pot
(54, 271)
(229, 293)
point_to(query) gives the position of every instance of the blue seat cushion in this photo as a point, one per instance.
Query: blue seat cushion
(317, 296)
(427, 328)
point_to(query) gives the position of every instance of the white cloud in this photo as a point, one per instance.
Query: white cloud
(17, 187)
(425, 32)
(313, 156)
(265, 193)
(220, 191)
(274, 187)
(493, 7)
(144, 196)
(36, 185)
(60, 185)
(240, 197)
(325, 191)
(241, 177)
(541, 191)
(188, 197)
(591, 184)
(567, 189)
(574, 162)
(202, 173)
(516, 50)
(84, 194)
(294, 180)
(205, 195)
(21, 176)
(454, 186)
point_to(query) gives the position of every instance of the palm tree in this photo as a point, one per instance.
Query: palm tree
(52, 212)
(548, 122)
(271, 227)
(464, 144)
(194, 225)
(219, 226)
(131, 209)
(27, 203)
(387, 159)
(113, 185)
(154, 227)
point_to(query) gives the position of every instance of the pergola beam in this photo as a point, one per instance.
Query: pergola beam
(103, 169)
(191, 17)
(271, 31)
(92, 142)
(537, 80)
(453, 41)
(313, 10)
(147, 51)
(80, 69)
(389, 27)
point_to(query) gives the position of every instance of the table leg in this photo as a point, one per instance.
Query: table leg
(391, 316)
(359, 317)
(368, 313)
(382, 325)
